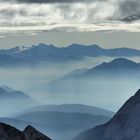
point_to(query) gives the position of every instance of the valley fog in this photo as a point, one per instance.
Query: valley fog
(62, 99)
(24, 78)
(39, 83)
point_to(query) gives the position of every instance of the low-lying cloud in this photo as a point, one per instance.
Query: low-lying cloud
(74, 14)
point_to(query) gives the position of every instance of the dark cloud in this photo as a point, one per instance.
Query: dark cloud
(129, 8)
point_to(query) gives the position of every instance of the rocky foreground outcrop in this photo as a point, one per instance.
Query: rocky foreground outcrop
(125, 125)
(8, 132)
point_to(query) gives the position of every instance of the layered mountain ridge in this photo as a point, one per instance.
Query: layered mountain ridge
(121, 66)
(61, 122)
(50, 53)
(17, 101)
(72, 108)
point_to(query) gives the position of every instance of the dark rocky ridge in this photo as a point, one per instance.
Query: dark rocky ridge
(125, 125)
(33, 134)
(8, 132)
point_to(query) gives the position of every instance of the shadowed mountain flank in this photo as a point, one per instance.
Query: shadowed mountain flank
(8, 132)
(125, 125)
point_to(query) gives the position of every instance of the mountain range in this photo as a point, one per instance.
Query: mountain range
(62, 125)
(118, 66)
(49, 53)
(79, 79)
(73, 108)
(60, 121)
(125, 125)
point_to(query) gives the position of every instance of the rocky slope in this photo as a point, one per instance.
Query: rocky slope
(8, 132)
(125, 125)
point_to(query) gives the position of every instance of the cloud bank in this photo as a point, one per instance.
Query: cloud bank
(83, 15)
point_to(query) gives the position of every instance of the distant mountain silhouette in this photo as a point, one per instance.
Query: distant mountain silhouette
(73, 108)
(125, 125)
(46, 53)
(62, 125)
(15, 122)
(121, 66)
(7, 92)
(13, 51)
(14, 100)
(119, 63)
(4, 87)
(74, 73)
(9, 60)
(76, 51)
(8, 132)
(49, 53)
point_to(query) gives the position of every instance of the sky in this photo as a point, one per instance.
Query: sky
(109, 23)
(64, 39)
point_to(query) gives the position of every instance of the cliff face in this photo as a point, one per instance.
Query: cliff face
(8, 132)
(125, 125)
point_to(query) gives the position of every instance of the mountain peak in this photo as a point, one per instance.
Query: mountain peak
(29, 127)
(45, 45)
(122, 60)
(8, 132)
(84, 46)
(32, 134)
(116, 65)
(138, 93)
